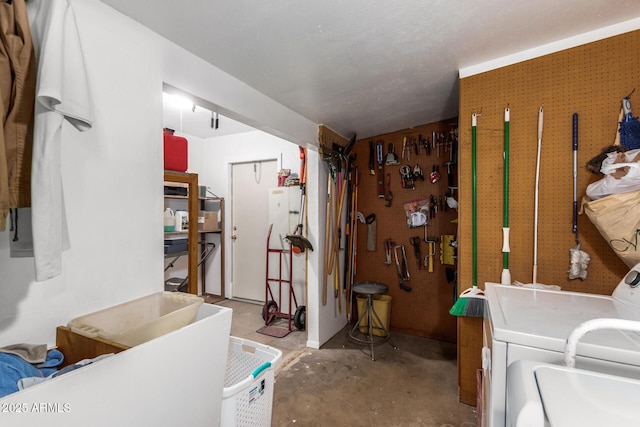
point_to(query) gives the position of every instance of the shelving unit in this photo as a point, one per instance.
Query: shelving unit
(218, 230)
(196, 236)
(191, 181)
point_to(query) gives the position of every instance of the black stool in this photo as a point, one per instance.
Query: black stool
(369, 289)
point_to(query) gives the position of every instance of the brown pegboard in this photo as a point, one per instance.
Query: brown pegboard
(424, 310)
(590, 80)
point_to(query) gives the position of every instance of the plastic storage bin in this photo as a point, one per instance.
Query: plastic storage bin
(140, 320)
(382, 307)
(247, 398)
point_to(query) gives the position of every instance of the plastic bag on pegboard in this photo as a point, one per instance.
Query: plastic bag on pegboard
(417, 212)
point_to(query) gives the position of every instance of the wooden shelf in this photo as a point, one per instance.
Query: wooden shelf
(190, 180)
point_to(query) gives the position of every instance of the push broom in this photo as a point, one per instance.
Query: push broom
(505, 279)
(471, 300)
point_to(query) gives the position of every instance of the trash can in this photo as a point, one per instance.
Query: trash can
(247, 397)
(382, 307)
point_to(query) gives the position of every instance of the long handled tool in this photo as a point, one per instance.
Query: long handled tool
(471, 300)
(505, 279)
(327, 239)
(579, 259)
(297, 241)
(535, 215)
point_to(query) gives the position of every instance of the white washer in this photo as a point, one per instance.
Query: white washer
(532, 324)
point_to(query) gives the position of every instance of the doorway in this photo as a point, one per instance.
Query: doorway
(250, 184)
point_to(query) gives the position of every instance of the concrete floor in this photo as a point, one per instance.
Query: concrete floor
(415, 385)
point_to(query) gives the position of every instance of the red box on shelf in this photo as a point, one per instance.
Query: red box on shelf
(175, 152)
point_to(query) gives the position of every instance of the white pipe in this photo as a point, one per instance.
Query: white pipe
(593, 325)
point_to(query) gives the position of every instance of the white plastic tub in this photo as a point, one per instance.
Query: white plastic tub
(247, 397)
(140, 320)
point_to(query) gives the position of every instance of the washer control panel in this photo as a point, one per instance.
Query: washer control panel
(628, 289)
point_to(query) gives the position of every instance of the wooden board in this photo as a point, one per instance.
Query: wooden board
(76, 347)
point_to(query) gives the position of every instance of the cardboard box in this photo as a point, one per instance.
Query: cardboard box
(208, 221)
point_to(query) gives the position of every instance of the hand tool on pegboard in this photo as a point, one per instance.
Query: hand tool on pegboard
(431, 249)
(392, 157)
(433, 206)
(380, 170)
(372, 158)
(388, 247)
(406, 176)
(417, 173)
(401, 267)
(434, 176)
(388, 195)
(449, 164)
(415, 242)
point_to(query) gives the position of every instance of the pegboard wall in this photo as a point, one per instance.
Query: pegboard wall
(590, 80)
(423, 310)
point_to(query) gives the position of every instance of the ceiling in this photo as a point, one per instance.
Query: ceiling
(366, 66)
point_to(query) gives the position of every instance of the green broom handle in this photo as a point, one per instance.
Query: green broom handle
(474, 241)
(505, 248)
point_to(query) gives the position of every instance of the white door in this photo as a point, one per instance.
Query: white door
(250, 183)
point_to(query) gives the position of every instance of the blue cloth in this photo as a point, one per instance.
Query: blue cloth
(13, 368)
(50, 365)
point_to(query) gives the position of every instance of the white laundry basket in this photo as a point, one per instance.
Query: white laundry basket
(247, 398)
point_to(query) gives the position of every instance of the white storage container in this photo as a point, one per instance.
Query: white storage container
(137, 321)
(247, 397)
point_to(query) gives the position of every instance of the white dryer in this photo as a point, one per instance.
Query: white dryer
(541, 395)
(531, 324)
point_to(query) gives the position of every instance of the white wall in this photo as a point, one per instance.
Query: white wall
(212, 159)
(113, 180)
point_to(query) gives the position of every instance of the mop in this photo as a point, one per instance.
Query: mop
(505, 278)
(579, 259)
(471, 300)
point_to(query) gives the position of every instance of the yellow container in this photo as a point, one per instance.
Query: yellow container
(382, 307)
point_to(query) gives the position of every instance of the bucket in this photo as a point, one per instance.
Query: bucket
(169, 220)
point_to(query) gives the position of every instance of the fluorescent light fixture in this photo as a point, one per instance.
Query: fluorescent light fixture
(180, 102)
